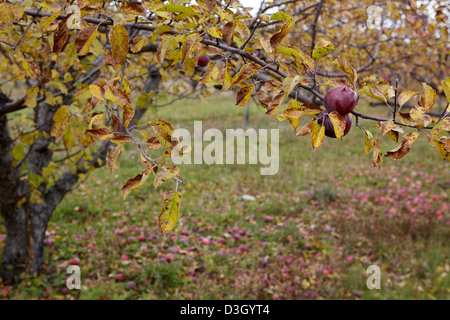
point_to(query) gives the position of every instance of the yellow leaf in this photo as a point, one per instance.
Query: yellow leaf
(290, 82)
(347, 68)
(170, 212)
(276, 39)
(446, 88)
(321, 49)
(246, 72)
(163, 131)
(368, 141)
(377, 156)
(112, 160)
(97, 91)
(31, 69)
(118, 37)
(338, 122)
(405, 96)
(427, 97)
(317, 134)
(163, 176)
(137, 43)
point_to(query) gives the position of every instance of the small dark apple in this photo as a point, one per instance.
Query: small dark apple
(329, 128)
(341, 99)
(203, 61)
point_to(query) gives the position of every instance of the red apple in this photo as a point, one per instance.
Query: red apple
(169, 257)
(341, 99)
(75, 261)
(203, 61)
(329, 128)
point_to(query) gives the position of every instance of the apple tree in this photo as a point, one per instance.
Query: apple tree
(78, 76)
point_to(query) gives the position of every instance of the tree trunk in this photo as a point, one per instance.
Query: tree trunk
(24, 243)
(26, 224)
(15, 253)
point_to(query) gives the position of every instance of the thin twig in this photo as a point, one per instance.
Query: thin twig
(23, 34)
(395, 99)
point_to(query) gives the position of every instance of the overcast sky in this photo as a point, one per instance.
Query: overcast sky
(252, 4)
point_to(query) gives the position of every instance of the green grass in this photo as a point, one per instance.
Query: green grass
(312, 232)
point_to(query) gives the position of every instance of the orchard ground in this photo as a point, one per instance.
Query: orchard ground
(311, 233)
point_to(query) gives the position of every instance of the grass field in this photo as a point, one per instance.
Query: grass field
(313, 230)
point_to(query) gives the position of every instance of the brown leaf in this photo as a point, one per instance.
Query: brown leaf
(131, 8)
(246, 72)
(163, 131)
(128, 114)
(377, 156)
(61, 36)
(276, 39)
(228, 32)
(273, 106)
(401, 150)
(101, 133)
(134, 183)
(84, 39)
(243, 95)
(112, 160)
(31, 69)
(120, 138)
(153, 143)
(306, 129)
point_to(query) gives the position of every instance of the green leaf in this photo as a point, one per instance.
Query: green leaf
(18, 152)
